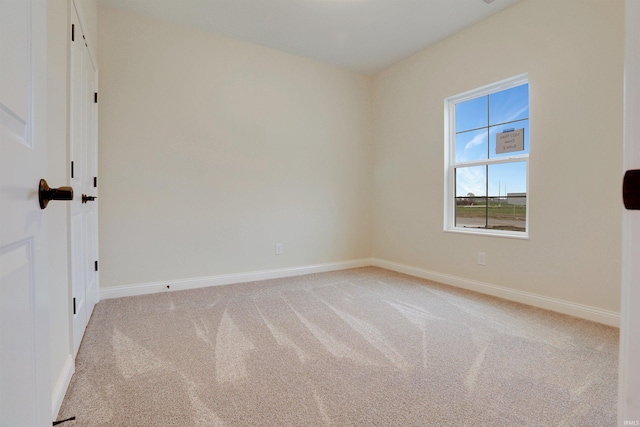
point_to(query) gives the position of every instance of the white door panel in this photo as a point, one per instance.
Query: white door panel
(77, 279)
(17, 353)
(25, 394)
(14, 81)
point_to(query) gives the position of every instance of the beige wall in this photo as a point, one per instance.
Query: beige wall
(573, 52)
(212, 151)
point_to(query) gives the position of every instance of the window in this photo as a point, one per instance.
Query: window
(487, 158)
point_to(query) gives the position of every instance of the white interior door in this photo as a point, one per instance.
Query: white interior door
(25, 393)
(629, 398)
(84, 180)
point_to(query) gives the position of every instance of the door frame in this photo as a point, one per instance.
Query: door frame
(83, 150)
(629, 370)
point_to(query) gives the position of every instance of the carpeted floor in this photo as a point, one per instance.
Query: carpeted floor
(361, 347)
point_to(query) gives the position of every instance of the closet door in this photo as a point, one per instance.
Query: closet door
(84, 180)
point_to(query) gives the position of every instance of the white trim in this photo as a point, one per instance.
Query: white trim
(226, 279)
(490, 88)
(629, 372)
(495, 160)
(493, 233)
(61, 386)
(599, 315)
(561, 306)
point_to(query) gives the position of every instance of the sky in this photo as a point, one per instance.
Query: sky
(478, 121)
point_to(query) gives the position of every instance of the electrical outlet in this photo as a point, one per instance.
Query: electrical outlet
(278, 248)
(482, 258)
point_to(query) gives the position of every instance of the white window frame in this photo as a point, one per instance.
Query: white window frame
(450, 164)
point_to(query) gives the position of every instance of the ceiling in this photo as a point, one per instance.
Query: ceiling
(361, 35)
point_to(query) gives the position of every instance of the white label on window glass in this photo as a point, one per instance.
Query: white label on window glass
(512, 140)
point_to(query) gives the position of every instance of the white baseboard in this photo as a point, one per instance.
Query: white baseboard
(226, 279)
(61, 386)
(599, 315)
(566, 307)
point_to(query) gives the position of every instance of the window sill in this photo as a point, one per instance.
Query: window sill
(489, 233)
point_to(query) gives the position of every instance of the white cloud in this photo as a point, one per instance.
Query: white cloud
(517, 114)
(471, 180)
(475, 141)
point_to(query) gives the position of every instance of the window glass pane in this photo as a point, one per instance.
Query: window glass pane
(471, 180)
(471, 197)
(494, 130)
(471, 114)
(510, 104)
(473, 145)
(507, 196)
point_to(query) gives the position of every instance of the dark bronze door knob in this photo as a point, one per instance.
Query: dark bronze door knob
(631, 189)
(46, 194)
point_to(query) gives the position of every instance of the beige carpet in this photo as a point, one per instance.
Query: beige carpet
(361, 347)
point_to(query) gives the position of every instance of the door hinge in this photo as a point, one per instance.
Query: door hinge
(95, 97)
(71, 168)
(95, 265)
(73, 32)
(95, 182)
(74, 305)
